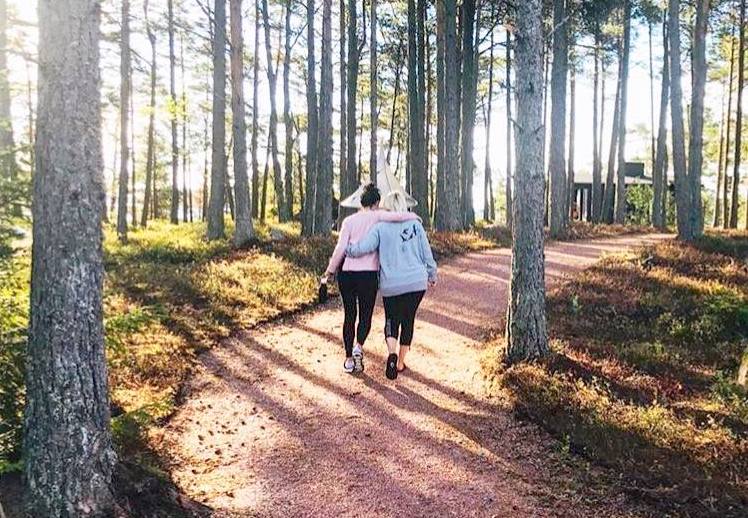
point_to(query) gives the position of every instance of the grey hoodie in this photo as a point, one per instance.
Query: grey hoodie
(406, 263)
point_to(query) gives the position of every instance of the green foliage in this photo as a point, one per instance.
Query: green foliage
(639, 204)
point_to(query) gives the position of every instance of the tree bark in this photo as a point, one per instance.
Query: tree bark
(174, 212)
(734, 203)
(487, 173)
(68, 452)
(218, 152)
(448, 215)
(659, 175)
(272, 82)
(509, 128)
(8, 166)
(312, 126)
(287, 119)
(468, 113)
(570, 191)
(596, 148)
(323, 214)
(557, 158)
(354, 54)
(682, 186)
(620, 213)
(609, 192)
(255, 110)
(186, 184)
(344, 109)
(124, 113)
(439, 217)
(717, 216)
(150, 197)
(243, 231)
(526, 331)
(696, 140)
(373, 92)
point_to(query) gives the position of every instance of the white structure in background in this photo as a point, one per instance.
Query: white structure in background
(386, 181)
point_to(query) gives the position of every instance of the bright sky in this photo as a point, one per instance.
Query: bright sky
(638, 113)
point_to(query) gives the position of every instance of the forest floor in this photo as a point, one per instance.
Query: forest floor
(269, 424)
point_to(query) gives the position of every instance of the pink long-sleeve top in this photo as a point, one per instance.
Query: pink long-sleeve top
(355, 228)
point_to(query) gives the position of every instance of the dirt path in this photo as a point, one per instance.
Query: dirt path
(271, 425)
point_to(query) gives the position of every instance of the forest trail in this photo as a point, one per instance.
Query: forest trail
(271, 426)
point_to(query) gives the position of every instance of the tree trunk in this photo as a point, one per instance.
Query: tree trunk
(344, 109)
(414, 104)
(509, 126)
(312, 126)
(557, 158)
(263, 204)
(243, 231)
(609, 192)
(395, 98)
(659, 174)
(487, 187)
(354, 54)
(149, 201)
(526, 332)
(716, 217)
(738, 120)
(682, 187)
(439, 216)
(272, 82)
(134, 209)
(696, 140)
(255, 109)
(448, 215)
(725, 204)
(468, 112)
(186, 184)
(651, 93)
(124, 113)
(8, 166)
(596, 150)
(174, 212)
(323, 214)
(570, 191)
(218, 151)
(620, 214)
(374, 93)
(287, 119)
(68, 452)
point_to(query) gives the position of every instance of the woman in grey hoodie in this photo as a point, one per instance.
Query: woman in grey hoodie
(406, 269)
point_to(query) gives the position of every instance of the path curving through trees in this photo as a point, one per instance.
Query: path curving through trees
(271, 426)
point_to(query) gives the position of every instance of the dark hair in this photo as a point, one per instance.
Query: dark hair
(370, 196)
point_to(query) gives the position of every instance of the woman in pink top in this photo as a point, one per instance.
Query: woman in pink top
(358, 279)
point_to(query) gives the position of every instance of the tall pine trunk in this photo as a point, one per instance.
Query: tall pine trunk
(487, 174)
(218, 151)
(323, 214)
(609, 192)
(682, 186)
(8, 166)
(373, 92)
(734, 202)
(557, 158)
(659, 174)
(596, 149)
(124, 114)
(68, 454)
(439, 217)
(469, 91)
(343, 107)
(448, 214)
(312, 125)
(354, 55)
(717, 216)
(509, 126)
(620, 206)
(570, 191)
(421, 176)
(287, 119)
(150, 197)
(243, 231)
(255, 110)
(280, 201)
(174, 210)
(696, 140)
(526, 333)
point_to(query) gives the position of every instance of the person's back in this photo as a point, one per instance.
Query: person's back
(406, 262)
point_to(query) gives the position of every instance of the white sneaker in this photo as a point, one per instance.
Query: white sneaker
(358, 358)
(349, 365)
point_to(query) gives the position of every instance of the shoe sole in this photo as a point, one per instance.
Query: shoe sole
(391, 370)
(358, 362)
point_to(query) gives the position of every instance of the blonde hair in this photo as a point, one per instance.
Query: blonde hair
(395, 202)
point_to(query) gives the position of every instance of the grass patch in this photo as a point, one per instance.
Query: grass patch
(643, 375)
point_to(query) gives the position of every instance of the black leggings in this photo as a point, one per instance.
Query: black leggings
(400, 315)
(359, 293)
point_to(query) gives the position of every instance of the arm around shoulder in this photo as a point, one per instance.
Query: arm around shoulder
(366, 246)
